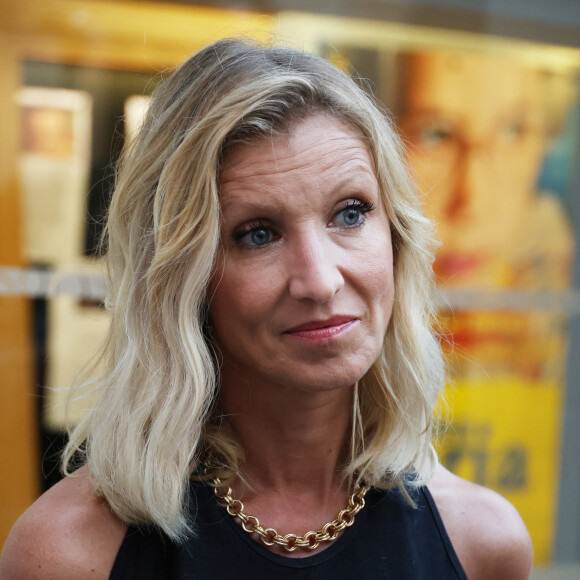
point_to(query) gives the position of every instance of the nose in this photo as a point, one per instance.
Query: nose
(467, 181)
(314, 267)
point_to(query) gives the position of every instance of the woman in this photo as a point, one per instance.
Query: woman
(270, 301)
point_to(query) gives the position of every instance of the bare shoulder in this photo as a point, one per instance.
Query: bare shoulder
(66, 533)
(488, 534)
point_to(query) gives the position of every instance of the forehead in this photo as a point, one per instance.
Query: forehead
(317, 149)
(469, 84)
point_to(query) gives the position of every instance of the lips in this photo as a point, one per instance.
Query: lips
(454, 263)
(323, 329)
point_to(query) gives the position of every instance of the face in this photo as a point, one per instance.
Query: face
(475, 131)
(302, 294)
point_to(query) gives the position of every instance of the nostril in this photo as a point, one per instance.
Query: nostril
(316, 284)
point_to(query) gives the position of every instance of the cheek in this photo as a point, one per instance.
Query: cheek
(239, 296)
(378, 276)
(526, 165)
(377, 273)
(386, 285)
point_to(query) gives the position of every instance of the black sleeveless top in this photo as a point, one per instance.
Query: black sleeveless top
(389, 539)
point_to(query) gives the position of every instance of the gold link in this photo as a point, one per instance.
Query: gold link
(311, 540)
(278, 539)
(250, 519)
(291, 542)
(326, 530)
(346, 516)
(232, 509)
(268, 532)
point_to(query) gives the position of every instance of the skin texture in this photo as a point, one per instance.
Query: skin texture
(288, 397)
(67, 534)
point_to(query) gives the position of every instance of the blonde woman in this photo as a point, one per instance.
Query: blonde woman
(267, 406)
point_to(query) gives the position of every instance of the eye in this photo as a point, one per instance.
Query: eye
(254, 235)
(258, 237)
(353, 215)
(435, 136)
(513, 131)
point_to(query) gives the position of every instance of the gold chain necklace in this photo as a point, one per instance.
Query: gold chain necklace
(310, 540)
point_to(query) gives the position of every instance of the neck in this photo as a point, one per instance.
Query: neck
(293, 440)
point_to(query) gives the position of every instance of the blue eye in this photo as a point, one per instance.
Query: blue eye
(350, 216)
(259, 236)
(256, 236)
(353, 214)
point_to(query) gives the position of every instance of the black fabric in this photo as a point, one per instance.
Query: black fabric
(389, 539)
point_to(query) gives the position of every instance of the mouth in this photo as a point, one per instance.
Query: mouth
(456, 264)
(320, 330)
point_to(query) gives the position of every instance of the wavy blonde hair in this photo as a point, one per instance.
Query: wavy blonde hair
(158, 410)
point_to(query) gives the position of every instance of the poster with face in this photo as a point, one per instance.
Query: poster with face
(479, 132)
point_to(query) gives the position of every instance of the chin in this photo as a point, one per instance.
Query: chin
(329, 377)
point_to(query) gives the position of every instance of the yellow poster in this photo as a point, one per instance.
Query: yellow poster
(505, 434)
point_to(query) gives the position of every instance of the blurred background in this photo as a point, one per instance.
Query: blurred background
(486, 97)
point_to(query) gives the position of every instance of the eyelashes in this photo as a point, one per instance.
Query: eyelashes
(259, 233)
(255, 234)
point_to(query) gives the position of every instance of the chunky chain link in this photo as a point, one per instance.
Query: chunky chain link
(310, 540)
